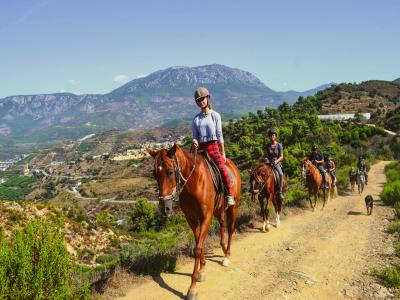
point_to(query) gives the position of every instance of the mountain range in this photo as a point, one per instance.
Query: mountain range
(163, 98)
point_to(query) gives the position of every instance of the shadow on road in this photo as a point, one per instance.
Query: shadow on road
(355, 213)
(165, 286)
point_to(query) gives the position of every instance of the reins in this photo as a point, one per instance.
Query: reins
(178, 177)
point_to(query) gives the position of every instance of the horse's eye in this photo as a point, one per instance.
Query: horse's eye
(170, 173)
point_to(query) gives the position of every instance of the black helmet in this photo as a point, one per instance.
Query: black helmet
(314, 147)
(272, 131)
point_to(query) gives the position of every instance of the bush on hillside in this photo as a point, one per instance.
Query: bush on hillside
(391, 192)
(35, 264)
(143, 216)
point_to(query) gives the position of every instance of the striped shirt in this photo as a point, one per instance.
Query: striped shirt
(207, 127)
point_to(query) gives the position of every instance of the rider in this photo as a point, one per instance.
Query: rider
(318, 160)
(362, 168)
(207, 135)
(330, 165)
(274, 156)
(352, 174)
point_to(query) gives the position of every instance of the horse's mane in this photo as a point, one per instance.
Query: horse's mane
(312, 167)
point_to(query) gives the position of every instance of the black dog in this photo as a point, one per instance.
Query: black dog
(369, 203)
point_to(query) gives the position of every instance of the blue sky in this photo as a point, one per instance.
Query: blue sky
(94, 46)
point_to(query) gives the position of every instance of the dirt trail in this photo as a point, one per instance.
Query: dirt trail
(315, 255)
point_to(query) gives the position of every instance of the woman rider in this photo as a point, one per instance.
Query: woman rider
(274, 152)
(330, 165)
(207, 136)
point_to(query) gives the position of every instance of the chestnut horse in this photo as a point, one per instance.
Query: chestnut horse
(262, 184)
(315, 182)
(185, 177)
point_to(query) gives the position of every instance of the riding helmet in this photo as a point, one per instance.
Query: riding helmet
(201, 92)
(272, 131)
(314, 147)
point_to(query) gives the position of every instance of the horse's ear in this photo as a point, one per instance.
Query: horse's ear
(171, 152)
(151, 152)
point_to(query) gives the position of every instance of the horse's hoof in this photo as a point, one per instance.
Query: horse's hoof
(226, 262)
(202, 277)
(192, 295)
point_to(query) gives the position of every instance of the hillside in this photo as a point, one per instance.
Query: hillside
(397, 81)
(163, 98)
(372, 96)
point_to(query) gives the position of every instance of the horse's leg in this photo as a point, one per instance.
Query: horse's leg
(196, 231)
(262, 208)
(266, 212)
(309, 197)
(198, 253)
(316, 191)
(221, 220)
(278, 209)
(231, 219)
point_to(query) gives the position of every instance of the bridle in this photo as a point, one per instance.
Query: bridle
(306, 167)
(176, 192)
(261, 183)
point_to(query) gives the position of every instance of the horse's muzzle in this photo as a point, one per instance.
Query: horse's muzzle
(167, 207)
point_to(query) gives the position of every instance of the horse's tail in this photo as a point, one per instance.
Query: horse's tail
(335, 191)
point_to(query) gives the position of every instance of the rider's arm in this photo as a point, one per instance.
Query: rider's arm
(195, 132)
(280, 158)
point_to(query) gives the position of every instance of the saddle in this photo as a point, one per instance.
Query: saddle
(276, 176)
(216, 176)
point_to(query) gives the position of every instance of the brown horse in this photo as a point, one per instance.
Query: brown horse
(315, 182)
(185, 177)
(262, 184)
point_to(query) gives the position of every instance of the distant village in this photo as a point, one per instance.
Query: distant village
(137, 152)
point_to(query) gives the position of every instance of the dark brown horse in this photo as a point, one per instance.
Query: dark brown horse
(315, 182)
(262, 184)
(185, 177)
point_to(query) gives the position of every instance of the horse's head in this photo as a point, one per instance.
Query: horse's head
(255, 182)
(305, 167)
(166, 172)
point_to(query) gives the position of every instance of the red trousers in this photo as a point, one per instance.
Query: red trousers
(213, 149)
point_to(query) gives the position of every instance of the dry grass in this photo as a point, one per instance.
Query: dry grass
(117, 285)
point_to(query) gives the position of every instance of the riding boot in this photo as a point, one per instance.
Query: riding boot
(280, 194)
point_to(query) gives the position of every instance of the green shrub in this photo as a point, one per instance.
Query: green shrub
(392, 175)
(105, 219)
(394, 227)
(397, 209)
(35, 264)
(390, 276)
(156, 252)
(398, 249)
(143, 216)
(391, 192)
(296, 195)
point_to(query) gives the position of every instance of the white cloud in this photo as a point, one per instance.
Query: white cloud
(141, 76)
(121, 78)
(62, 91)
(73, 81)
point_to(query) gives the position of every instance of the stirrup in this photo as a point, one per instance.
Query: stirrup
(230, 200)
